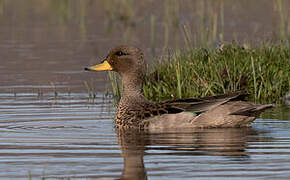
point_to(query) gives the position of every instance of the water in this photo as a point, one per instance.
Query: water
(50, 128)
(74, 137)
(56, 137)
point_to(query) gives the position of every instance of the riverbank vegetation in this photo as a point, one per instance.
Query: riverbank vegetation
(262, 72)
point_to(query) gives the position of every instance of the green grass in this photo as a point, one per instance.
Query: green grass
(263, 72)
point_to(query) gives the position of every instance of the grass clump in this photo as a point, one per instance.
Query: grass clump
(263, 72)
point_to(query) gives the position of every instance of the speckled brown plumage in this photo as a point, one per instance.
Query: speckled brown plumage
(135, 111)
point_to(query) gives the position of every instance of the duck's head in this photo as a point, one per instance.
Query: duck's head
(126, 60)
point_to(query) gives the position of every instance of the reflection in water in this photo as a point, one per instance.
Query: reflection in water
(132, 144)
(229, 142)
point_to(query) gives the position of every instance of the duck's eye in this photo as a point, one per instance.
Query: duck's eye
(120, 53)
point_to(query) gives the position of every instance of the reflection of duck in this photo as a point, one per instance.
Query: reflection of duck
(228, 142)
(132, 144)
(135, 111)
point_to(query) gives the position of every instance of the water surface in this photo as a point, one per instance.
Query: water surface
(74, 137)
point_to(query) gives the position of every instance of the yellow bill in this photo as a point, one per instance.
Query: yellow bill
(105, 66)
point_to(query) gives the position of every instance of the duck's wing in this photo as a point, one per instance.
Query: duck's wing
(194, 105)
(199, 105)
(158, 109)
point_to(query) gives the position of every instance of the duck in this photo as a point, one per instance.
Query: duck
(135, 111)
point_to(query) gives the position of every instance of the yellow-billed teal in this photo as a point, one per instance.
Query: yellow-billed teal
(135, 111)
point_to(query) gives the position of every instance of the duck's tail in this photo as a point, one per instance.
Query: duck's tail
(230, 114)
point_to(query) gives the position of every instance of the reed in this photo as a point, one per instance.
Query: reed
(116, 86)
(222, 20)
(178, 78)
(170, 23)
(153, 35)
(54, 88)
(90, 89)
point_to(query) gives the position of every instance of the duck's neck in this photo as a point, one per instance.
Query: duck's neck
(132, 97)
(132, 100)
(133, 85)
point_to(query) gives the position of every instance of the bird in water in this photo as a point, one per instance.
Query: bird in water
(137, 112)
